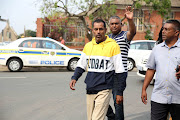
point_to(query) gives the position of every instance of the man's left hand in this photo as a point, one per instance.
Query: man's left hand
(178, 74)
(119, 99)
(129, 13)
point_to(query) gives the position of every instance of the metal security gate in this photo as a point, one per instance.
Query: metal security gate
(69, 33)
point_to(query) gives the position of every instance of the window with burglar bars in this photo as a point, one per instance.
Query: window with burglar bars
(80, 29)
(68, 32)
(139, 19)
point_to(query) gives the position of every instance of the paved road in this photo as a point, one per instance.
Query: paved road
(41, 95)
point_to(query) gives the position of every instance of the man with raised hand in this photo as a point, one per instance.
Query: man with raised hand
(123, 39)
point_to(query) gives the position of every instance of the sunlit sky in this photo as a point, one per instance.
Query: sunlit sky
(20, 13)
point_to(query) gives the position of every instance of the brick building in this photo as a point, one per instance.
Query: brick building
(140, 17)
(143, 16)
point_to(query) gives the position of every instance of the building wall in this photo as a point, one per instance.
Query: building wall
(39, 32)
(155, 20)
(139, 34)
(177, 15)
(5, 37)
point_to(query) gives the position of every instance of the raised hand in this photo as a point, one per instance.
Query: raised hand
(129, 13)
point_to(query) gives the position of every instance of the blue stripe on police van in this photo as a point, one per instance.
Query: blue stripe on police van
(30, 52)
(8, 51)
(2, 58)
(74, 54)
(58, 53)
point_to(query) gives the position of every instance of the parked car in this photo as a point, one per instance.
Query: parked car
(38, 52)
(141, 68)
(138, 49)
(4, 43)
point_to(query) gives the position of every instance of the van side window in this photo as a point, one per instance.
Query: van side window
(47, 44)
(143, 46)
(51, 45)
(151, 45)
(26, 44)
(30, 44)
(139, 46)
(35, 44)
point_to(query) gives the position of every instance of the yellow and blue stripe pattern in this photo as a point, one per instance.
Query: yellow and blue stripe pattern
(102, 57)
(35, 52)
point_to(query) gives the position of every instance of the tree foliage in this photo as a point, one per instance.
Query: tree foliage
(105, 11)
(79, 9)
(28, 33)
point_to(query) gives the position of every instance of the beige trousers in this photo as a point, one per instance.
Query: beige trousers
(97, 104)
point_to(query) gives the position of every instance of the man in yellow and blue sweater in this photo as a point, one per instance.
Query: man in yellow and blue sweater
(102, 59)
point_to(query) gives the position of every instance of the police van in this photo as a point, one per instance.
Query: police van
(37, 52)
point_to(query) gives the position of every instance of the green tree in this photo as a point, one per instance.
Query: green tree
(28, 33)
(102, 9)
(80, 9)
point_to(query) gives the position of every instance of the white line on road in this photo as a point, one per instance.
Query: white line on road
(13, 77)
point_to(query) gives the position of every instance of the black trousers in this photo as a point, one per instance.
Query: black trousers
(160, 111)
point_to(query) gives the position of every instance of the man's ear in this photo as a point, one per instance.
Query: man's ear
(177, 33)
(105, 30)
(122, 24)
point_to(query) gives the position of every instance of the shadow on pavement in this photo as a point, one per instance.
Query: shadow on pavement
(139, 116)
(38, 69)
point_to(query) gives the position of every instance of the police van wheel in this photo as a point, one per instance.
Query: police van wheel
(14, 65)
(130, 64)
(72, 64)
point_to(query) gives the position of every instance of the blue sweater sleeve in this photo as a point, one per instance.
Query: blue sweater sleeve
(121, 82)
(77, 74)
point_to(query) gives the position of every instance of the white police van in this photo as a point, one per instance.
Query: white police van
(38, 52)
(141, 68)
(138, 49)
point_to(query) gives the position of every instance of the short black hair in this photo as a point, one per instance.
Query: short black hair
(160, 40)
(98, 21)
(176, 23)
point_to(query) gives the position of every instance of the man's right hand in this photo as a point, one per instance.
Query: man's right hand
(178, 73)
(149, 76)
(144, 97)
(72, 84)
(119, 99)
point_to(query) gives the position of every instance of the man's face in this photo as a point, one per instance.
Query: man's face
(115, 26)
(168, 32)
(99, 32)
(49, 35)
